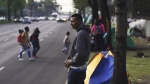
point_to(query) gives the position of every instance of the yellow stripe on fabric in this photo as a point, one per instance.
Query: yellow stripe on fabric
(110, 53)
(92, 66)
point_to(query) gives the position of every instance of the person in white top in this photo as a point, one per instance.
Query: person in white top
(66, 43)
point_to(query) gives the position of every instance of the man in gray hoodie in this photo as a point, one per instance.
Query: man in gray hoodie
(79, 55)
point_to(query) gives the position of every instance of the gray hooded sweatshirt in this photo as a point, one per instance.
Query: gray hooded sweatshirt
(81, 47)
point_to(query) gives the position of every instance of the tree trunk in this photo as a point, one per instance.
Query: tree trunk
(21, 13)
(94, 6)
(95, 11)
(8, 9)
(106, 20)
(15, 12)
(119, 74)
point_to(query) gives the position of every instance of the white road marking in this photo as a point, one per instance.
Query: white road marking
(50, 32)
(46, 36)
(66, 81)
(2, 68)
(41, 40)
(6, 39)
(22, 53)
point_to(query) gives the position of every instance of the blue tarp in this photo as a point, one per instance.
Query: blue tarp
(104, 70)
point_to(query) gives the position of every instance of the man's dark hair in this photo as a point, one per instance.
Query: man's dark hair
(26, 28)
(78, 16)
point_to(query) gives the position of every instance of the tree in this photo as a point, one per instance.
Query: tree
(18, 6)
(81, 6)
(30, 4)
(12, 5)
(119, 74)
(94, 6)
(49, 5)
(105, 16)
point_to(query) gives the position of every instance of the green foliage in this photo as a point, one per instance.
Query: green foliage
(19, 4)
(49, 4)
(80, 4)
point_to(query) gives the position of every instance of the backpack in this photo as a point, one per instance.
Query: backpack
(98, 30)
(19, 38)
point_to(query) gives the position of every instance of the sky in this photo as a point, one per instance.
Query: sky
(66, 5)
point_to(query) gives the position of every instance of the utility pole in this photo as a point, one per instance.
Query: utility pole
(119, 74)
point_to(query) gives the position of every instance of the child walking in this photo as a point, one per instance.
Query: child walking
(66, 43)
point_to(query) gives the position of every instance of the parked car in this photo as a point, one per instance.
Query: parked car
(35, 19)
(26, 20)
(2, 18)
(18, 20)
(51, 18)
(42, 18)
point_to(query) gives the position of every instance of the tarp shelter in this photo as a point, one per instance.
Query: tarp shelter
(130, 43)
(100, 68)
(139, 28)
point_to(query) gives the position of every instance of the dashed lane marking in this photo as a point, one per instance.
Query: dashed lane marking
(6, 39)
(41, 39)
(2, 68)
(46, 36)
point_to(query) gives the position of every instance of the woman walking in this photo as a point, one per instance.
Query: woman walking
(98, 31)
(35, 42)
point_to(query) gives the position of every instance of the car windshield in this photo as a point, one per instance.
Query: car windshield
(26, 18)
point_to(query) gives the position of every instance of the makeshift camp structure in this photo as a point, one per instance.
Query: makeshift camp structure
(130, 43)
(100, 68)
(139, 28)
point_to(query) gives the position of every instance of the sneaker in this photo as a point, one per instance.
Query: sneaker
(30, 59)
(35, 57)
(20, 59)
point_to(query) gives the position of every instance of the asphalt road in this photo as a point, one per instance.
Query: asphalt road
(48, 68)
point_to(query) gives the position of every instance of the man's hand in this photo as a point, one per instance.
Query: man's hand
(67, 63)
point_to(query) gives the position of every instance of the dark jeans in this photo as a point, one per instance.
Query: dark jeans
(76, 76)
(99, 42)
(36, 47)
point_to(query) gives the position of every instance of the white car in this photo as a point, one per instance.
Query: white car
(51, 18)
(41, 18)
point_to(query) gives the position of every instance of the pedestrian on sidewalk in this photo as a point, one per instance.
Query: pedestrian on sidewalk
(98, 31)
(66, 43)
(34, 38)
(25, 44)
(79, 54)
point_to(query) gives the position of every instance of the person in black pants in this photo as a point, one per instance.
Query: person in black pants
(35, 42)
